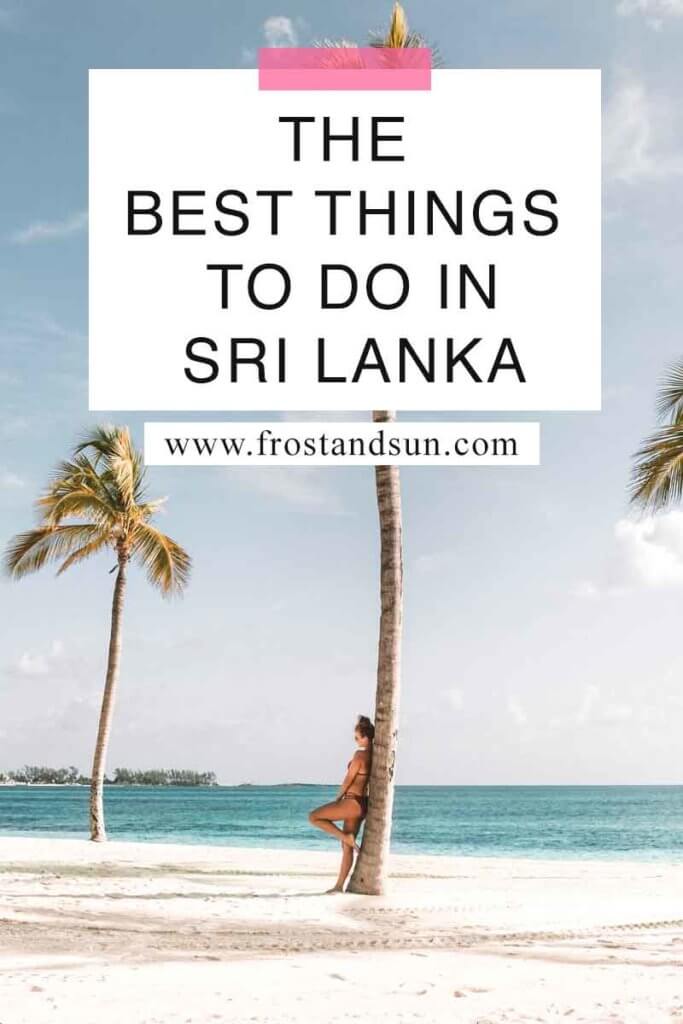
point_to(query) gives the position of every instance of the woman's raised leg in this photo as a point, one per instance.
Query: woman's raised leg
(340, 810)
(351, 825)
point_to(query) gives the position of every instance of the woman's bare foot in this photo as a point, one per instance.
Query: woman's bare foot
(334, 891)
(348, 839)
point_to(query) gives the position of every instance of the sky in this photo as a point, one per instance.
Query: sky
(542, 616)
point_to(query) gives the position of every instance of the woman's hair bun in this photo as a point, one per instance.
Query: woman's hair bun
(365, 727)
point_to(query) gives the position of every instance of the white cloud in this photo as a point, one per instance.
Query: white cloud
(32, 665)
(298, 486)
(591, 696)
(28, 664)
(654, 11)
(516, 711)
(10, 481)
(32, 328)
(455, 697)
(616, 713)
(42, 230)
(280, 31)
(594, 709)
(585, 589)
(646, 554)
(640, 134)
(650, 551)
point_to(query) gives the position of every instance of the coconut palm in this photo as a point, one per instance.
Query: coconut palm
(658, 470)
(96, 502)
(370, 870)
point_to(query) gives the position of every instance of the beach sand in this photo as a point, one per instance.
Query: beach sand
(124, 933)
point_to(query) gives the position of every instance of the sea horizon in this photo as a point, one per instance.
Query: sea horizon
(316, 785)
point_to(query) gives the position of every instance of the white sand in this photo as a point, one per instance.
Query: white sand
(135, 934)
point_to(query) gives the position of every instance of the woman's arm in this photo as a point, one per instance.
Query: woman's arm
(348, 778)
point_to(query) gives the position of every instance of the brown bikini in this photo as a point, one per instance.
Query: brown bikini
(362, 801)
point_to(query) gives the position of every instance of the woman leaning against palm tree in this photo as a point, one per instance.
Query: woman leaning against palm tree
(96, 502)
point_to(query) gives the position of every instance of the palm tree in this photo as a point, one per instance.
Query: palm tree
(658, 471)
(370, 870)
(96, 501)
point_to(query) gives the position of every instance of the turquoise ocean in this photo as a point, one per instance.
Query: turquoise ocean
(630, 822)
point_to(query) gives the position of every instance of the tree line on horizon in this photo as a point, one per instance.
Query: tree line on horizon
(34, 775)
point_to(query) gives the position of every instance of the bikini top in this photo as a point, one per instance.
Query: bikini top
(359, 772)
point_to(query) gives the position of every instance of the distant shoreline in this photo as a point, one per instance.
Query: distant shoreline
(165, 785)
(111, 785)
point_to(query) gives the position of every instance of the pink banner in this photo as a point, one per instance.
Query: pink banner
(345, 67)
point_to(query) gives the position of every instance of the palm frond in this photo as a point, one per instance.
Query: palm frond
(658, 473)
(117, 461)
(336, 44)
(78, 502)
(398, 33)
(150, 508)
(167, 564)
(415, 41)
(80, 554)
(670, 398)
(29, 551)
(341, 56)
(400, 36)
(79, 472)
(98, 440)
(127, 467)
(412, 41)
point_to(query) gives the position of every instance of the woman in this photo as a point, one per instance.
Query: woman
(351, 803)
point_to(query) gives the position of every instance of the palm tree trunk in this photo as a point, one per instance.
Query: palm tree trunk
(369, 873)
(97, 830)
